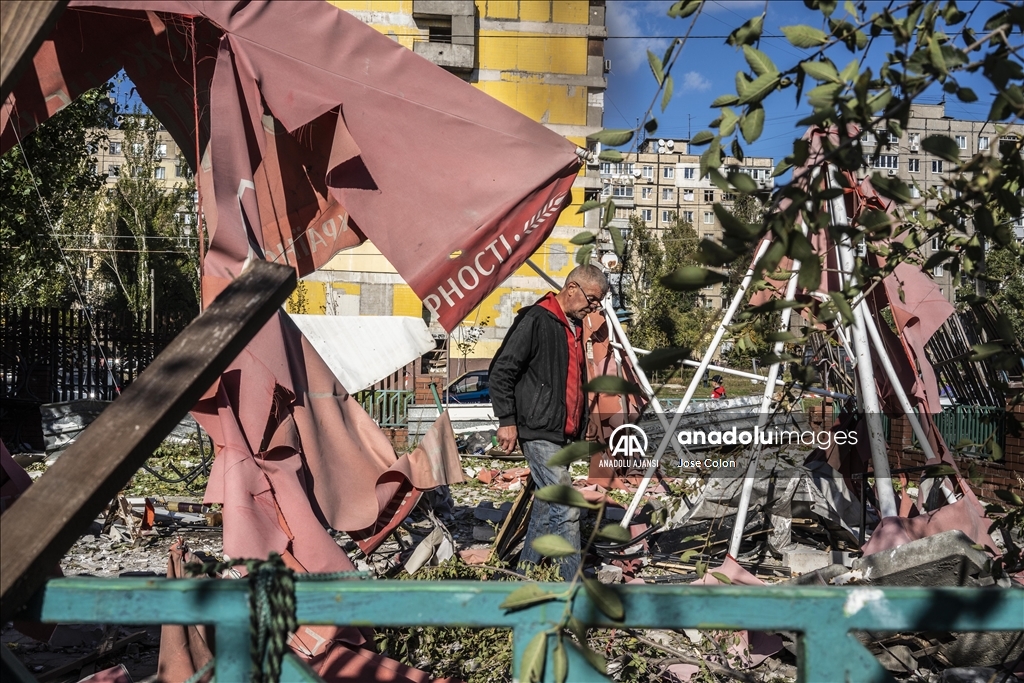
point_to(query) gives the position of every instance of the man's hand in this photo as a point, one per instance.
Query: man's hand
(507, 438)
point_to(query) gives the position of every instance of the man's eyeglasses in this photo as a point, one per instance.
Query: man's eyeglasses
(592, 300)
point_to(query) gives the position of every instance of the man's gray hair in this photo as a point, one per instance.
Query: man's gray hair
(589, 274)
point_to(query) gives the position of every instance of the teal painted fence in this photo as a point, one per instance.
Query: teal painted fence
(975, 424)
(822, 616)
(388, 407)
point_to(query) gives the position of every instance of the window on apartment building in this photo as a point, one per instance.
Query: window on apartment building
(622, 190)
(937, 271)
(647, 214)
(668, 172)
(728, 197)
(179, 170)
(709, 218)
(646, 192)
(160, 173)
(667, 216)
(886, 161)
(936, 166)
(869, 139)
(647, 172)
(935, 244)
(982, 143)
(114, 148)
(709, 195)
(915, 192)
(913, 165)
(709, 236)
(667, 194)
(914, 140)
(606, 168)
(136, 171)
(161, 150)
(688, 195)
(689, 173)
(914, 213)
(622, 212)
(137, 148)
(687, 217)
(114, 170)
(961, 141)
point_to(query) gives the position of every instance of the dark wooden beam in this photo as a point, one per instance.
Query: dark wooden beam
(24, 25)
(48, 518)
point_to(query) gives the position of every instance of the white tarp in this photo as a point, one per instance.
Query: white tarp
(362, 350)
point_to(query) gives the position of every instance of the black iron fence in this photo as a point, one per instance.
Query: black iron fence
(49, 355)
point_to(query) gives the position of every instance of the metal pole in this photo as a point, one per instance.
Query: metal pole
(762, 418)
(867, 399)
(690, 390)
(645, 385)
(152, 300)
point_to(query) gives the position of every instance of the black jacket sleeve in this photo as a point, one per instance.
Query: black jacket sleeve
(508, 367)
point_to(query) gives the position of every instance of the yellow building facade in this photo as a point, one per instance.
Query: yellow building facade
(544, 58)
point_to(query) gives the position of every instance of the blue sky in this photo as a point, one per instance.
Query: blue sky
(707, 67)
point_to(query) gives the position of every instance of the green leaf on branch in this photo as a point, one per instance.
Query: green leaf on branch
(760, 88)
(843, 306)
(711, 253)
(615, 533)
(605, 599)
(1009, 497)
(612, 137)
(752, 125)
(748, 33)
(722, 578)
(577, 450)
(561, 662)
(942, 147)
(529, 594)
(966, 95)
(564, 495)
(593, 659)
(666, 96)
(611, 155)
(742, 181)
(610, 384)
(589, 205)
(659, 359)
(891, 188)
(702, 138)
(651, 125)
(583, 255)
(657, 68)
(821, 71)
(553, 545)
(759, 62)
(723, 101)
(692, 278)
(980, 352)
(683, 8)
(533, 658)
(804, 36)
(732, 225)
(618, 245)
(937, 471)
(585, 237)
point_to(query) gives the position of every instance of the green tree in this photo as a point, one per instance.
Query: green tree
(146, 246)
(50, 204)
(662, 316)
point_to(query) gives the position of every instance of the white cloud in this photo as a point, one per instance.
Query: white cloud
(632, 19)
(694, 82)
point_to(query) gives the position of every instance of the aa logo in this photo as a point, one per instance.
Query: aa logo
(628, 441)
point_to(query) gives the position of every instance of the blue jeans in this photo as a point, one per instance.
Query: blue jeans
(547, 518)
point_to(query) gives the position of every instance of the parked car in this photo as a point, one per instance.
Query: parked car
(471, 387)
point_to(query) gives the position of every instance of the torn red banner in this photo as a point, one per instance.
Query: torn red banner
(317, 132)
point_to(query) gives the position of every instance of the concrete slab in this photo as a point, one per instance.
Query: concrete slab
(945, 559)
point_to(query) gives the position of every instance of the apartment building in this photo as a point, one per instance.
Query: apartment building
(905, 158)
(117, 155)
(662, 181)
(543, 58)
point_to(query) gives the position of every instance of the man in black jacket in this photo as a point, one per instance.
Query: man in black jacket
(536, 384)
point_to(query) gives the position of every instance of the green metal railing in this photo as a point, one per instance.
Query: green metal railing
(824, 617)
(388, 407)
